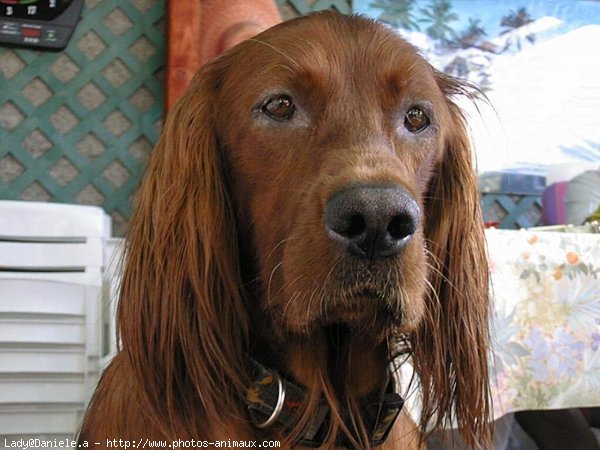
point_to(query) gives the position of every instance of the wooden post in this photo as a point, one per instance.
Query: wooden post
(183, 47)
(201, 29)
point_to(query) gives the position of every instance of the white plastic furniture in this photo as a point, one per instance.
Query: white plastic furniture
(51, 278)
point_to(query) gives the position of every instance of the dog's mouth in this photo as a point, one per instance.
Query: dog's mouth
(363, 310)
(368, 293)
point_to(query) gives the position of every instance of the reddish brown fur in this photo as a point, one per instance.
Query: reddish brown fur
(227, 254)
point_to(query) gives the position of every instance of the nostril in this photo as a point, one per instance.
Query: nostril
(401, 227)
(348, 226)
(356, 226)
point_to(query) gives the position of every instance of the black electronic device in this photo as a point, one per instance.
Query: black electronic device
(42, 24)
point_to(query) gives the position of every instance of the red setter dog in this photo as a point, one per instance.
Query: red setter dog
(309, 219)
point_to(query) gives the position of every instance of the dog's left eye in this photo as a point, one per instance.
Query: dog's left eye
(280, 108)
(416, 120)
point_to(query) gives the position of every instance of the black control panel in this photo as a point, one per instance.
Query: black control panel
(43, 24)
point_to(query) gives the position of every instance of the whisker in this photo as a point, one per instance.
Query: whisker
(280, 243)
(272, 47)
(270, 282)
(325, 283)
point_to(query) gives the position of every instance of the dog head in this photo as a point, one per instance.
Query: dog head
(316, 177)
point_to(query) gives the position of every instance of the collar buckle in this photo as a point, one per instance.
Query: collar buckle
(278, 406)
(272, 400)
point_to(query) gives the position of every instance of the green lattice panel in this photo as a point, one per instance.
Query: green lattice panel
(77, 126)
(512, 211)
(292, 8)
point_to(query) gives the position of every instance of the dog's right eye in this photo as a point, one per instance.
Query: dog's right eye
(416, 120)
(280, 108)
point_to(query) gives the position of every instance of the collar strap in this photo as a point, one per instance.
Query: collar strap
(272, 400)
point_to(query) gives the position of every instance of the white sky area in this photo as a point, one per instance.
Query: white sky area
(545, 99)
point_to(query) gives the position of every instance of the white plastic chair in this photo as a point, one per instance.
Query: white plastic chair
(113, 254)
(51, 277)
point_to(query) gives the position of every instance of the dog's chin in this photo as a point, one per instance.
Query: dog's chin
(365, 312)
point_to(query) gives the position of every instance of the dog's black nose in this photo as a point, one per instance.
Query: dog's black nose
(372, 221)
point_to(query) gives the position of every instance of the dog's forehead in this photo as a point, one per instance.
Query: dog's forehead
(349, 62)
(325, 42)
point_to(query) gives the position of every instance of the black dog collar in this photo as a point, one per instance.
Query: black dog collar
(272, 399)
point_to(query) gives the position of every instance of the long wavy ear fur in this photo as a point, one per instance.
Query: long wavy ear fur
(451, 345)
(181, 315)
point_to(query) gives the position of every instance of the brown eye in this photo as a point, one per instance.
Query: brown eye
(279, 108)
(416, 120)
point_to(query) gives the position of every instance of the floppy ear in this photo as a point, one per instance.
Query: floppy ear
(181, 315)
(451, 344)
